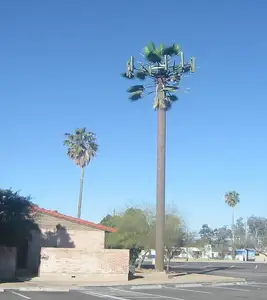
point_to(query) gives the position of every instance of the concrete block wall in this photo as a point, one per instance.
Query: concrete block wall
(8, 259)
(77, 264)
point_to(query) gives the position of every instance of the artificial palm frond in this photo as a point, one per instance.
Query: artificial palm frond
(141, 75)
(135, 88)
(135, 96)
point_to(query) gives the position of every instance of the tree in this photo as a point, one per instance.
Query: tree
(221, 240)
(136, 229)
(206, 233)
(175, 237)
(132, 231)
(232, 199)
(217, 238)
(257, 234)
(164, 75)
(82, 148)
(16, 218)
(240, 234)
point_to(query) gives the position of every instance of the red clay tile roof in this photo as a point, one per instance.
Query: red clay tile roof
(54, 213)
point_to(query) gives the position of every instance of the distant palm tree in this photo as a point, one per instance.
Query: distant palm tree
(82, 147)
(232, 198)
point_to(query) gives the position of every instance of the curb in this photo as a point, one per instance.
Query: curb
(214, 284)
(131, 287)
(147, 287)
(186, 285)
(33, 289)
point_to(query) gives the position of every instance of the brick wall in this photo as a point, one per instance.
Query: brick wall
(62, 264)
(8, 257)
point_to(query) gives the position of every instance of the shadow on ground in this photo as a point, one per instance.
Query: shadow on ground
(194, 270)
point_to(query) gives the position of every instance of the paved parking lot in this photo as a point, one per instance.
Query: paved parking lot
(250, 291)
(253, 291)
(248, 270)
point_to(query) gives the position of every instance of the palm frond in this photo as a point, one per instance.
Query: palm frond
(173, 98)
(170, 88)
(151, 46)
(135, 88)
(171, 50)
(135, 96)
(153, 57)
(141, 75)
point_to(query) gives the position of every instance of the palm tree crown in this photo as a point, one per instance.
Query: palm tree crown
(232, 198)
(161, 68)
(82, 146)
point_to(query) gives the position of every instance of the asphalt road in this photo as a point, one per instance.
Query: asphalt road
(251, 271)
(255, 291)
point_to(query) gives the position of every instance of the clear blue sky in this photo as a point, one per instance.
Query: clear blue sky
(60, 65)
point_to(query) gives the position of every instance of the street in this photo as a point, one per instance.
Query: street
(251, 271)
(251, 291)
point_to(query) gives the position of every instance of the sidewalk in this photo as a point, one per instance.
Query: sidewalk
(148, 279)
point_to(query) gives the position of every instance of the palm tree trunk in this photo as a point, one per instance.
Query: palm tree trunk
(80, 194)
(160, 213)
(233, 229)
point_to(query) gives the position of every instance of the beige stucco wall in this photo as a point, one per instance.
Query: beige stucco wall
(8, 258)
(49, 222)
(83, 265)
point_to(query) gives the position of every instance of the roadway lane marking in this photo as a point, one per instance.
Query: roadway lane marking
(20, 295)
(232, 266)
(143, 297)
(178, 266)
(258, 285)
(145, 294)
(256, 267)
(230, 289)
(103, 295)
(208, 266)
(182, 289)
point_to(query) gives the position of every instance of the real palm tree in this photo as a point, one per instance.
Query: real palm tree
(82, 148)
(164, 74)
(232, 198)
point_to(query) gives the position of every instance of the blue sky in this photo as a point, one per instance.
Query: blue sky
(60, 68)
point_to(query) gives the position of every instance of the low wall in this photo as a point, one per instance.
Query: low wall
(77, 264)
(8, 257)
